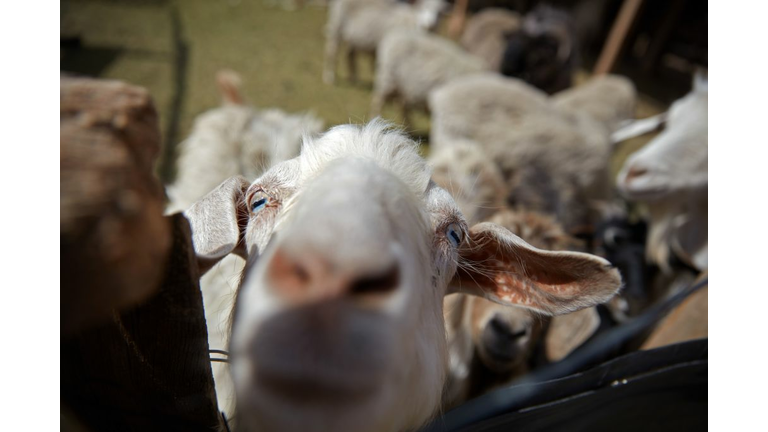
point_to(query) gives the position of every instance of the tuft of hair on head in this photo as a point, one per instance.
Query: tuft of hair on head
(229, 83)
(377, 140)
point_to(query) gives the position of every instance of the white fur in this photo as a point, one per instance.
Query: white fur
(670, 174)
(528, 136)
(471, 177)
(410, 64)
(232, 140)
(394, 168)
(608, 99)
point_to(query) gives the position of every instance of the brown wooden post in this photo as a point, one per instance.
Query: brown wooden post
(616, 38)
(458, 19)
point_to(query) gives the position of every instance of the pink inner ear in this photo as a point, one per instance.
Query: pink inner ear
(551, 282)
(532, 286)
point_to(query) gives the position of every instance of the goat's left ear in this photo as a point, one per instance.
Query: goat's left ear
(218, 222)
(500, 266)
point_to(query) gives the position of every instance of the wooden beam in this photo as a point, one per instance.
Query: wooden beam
(458, 19)
(618, 35)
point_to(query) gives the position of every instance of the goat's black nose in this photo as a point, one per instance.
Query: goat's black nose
(504, 330)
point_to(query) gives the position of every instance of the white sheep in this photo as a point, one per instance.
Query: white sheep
(362, 24)
(554, 160)
(670, 175)
(609, 99)
(338, 323)
(410, 64)
(484, 35)
(233, 139)
(471, 177)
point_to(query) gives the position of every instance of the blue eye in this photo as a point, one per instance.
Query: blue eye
(454, 235)
(259, 200)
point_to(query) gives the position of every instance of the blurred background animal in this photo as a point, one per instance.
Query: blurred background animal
(233, 139)
(542, 52)
(669, 175)
(471, 177)
(361, 25)
(412, 64)
(485, 34)
(554, 159)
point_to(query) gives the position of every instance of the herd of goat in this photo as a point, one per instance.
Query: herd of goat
(329, 254)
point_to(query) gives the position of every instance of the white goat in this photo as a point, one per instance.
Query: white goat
(338, 323)
(670, 175)
(362, 24)
(411, 64)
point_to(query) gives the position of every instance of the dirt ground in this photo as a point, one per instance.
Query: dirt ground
(174, 49)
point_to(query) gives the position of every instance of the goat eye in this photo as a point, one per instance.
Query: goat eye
(259, 200)
(454, 235)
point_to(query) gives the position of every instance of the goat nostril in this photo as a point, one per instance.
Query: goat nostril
(503, 329)
(635, 172)
(500, 327)
(382, 283)
(288, 274)
(519, 334)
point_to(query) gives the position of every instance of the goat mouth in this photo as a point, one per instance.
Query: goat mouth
(644, 193)
(503, 356)
(326, 352)
(317, 389)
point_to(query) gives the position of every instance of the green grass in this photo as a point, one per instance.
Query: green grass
(278, 53)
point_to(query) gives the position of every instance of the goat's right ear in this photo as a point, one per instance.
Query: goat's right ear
(218, 222)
